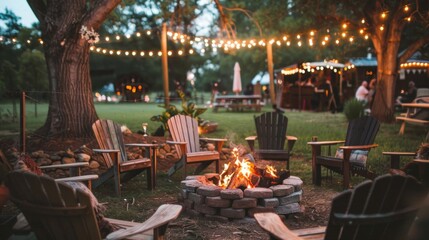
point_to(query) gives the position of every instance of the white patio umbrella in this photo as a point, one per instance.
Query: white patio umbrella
(236, 84)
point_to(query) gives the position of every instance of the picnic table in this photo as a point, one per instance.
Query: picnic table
(416, 114)
(238, 102)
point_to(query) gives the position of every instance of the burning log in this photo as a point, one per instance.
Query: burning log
(244, 174)
(238, 180)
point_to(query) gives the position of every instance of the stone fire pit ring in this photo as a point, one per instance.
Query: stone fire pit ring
(201, 197)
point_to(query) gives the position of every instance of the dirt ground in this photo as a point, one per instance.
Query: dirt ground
(315, 204)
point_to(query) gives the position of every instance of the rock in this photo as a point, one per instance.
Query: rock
(68, 160)
(210, 147)
(44, 161)
(83, 157)
(55, 158)
(232, 213)
(231, 194)
(218, 202)
(258, 192)
(37, 154)
(292, 198)
(294, 181)
(167, 147)
(282, 190)
(69, 153)
(244, 203)
(94, 164)
(209, 191)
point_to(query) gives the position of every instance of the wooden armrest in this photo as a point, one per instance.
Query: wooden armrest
(399, 153)
(214, 139)
(163, 215)
(66, 165)
(291, 138)
(321, 143)
(178, 143)
(359, 147)
(78, 178)
(251, 138)
(106, 150)
(272, 223)
(152, 145)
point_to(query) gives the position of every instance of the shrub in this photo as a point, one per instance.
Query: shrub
(188, 108)
(353, 109)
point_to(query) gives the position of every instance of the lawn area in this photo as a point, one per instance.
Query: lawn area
(234, 126)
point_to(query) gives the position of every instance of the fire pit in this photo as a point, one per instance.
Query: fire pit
(241, 190)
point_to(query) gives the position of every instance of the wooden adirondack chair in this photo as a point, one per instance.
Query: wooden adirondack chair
(112, 147)
(57, 211)
(382, 209)
(360, 137)
(184, 131)
(271, 135)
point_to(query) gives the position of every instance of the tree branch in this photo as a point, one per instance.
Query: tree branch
(98, 13)
(413, 47)
(39, 9)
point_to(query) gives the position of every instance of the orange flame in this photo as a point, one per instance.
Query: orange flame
(244, 170)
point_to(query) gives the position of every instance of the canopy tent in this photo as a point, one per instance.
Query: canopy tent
(310, 66)
(262, 77)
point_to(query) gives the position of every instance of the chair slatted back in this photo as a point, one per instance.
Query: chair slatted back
(185, 129)
(362, 131)
(109, 136)
(53, 210)
(271, 130)
(383, 209)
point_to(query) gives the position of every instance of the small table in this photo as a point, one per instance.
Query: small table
(395, 156)
(238, 102)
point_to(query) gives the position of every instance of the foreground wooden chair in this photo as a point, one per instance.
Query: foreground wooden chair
(184, 131)
(382, 209)
(112, 147)
(360, 137)
(57, 211)
(271, 135)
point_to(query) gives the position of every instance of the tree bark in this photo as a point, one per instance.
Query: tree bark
(71, 107)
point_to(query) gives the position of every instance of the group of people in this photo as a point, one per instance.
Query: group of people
(366, 94)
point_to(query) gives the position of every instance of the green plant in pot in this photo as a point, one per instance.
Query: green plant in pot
(188, 108)
(353, 109)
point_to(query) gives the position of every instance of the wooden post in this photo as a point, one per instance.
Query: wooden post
(22, 122)
(271, 72)
(165, 63)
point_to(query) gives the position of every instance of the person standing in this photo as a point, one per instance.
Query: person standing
(371, 93)
(362, 92)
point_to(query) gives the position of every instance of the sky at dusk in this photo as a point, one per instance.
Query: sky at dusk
(21, 9)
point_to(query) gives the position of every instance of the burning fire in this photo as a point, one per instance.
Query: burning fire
(243, 173)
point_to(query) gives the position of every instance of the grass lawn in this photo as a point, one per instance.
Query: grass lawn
(234, 126)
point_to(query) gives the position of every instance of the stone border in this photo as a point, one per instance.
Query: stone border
(200, 197)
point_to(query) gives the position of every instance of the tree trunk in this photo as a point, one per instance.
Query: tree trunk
(71, 107)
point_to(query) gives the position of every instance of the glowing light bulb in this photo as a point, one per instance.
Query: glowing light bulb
(406, 8)
(344, 25)
(383, 15)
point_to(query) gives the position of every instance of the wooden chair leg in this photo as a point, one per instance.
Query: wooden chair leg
(117, 179)
(318, 175)
(402, 129)
(149, 179)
